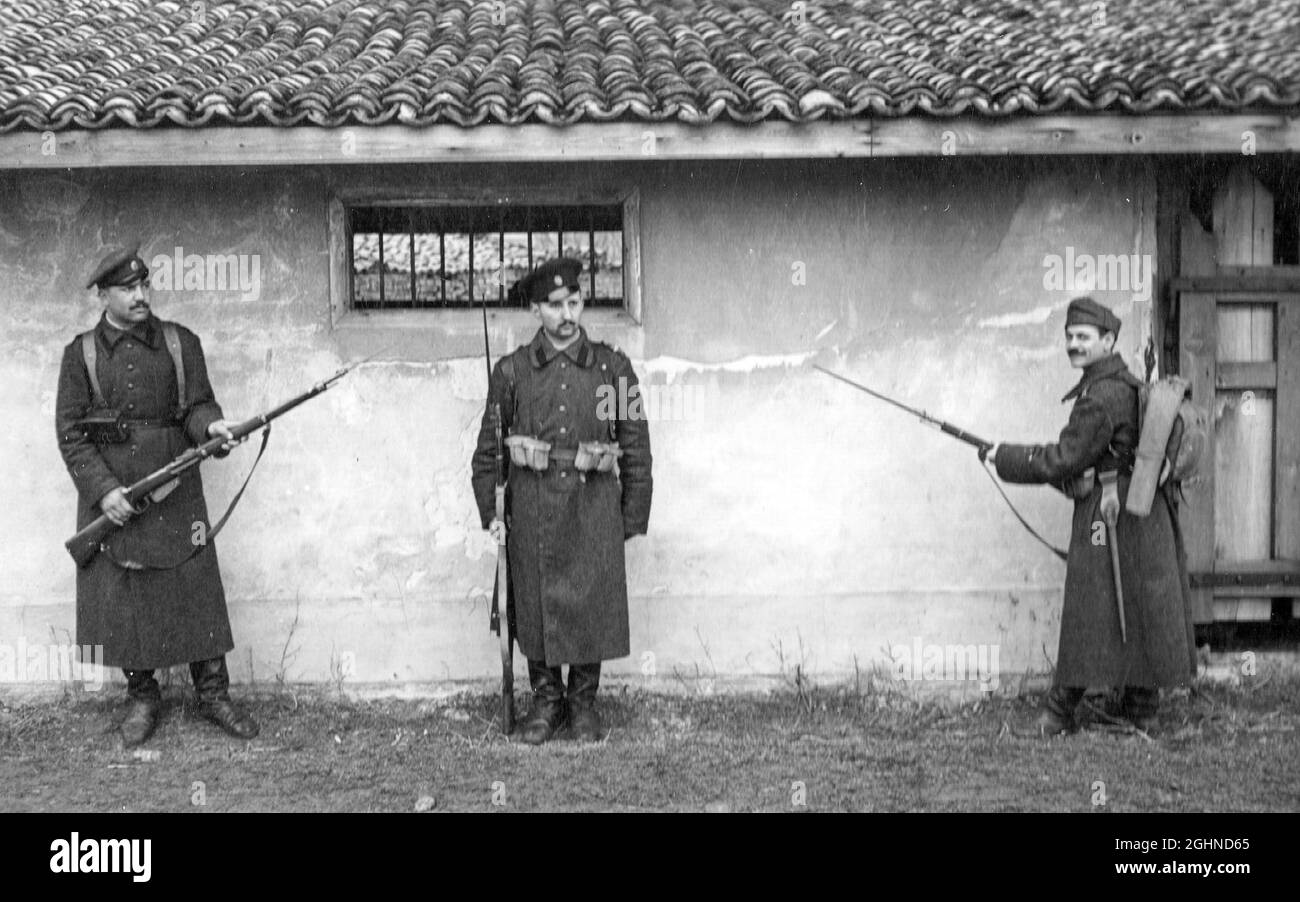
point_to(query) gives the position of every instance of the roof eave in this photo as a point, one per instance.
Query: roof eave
(1243, 133)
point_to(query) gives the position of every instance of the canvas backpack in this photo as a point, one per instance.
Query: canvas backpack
(1173, 442)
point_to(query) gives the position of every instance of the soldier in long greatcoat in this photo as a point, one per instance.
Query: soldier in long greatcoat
(1101, 437)
(152, 595)
(566, 524)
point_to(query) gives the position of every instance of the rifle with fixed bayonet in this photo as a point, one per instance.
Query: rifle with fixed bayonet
(159, 484)
(499, 619)
(983, 446)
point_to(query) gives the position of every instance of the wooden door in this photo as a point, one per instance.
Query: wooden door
(1240, 347)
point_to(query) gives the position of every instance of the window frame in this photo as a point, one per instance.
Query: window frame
(343, 316)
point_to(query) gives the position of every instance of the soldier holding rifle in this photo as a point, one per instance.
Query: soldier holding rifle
(579, 486)
(134, 394)
(1125, 622)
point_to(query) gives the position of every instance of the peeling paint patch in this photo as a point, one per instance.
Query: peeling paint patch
(1046, 353)
(672, 367)
(1035, 317)
(822, 334)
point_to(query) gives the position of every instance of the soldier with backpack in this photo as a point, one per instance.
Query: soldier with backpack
(1126, 617)
(133, 394)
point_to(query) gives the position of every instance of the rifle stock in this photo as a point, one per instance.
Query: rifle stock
(86, 543)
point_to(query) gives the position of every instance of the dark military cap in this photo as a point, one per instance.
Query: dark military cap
(122, 267)
(1085, 311)
(565, 272)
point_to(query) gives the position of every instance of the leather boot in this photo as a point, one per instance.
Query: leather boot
(1057, 716)
(212, 683)
(584, 721)
(547, 712)
(1139, 705)
(142, 716)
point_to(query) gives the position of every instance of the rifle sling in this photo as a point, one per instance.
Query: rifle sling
(1023, 522)
(171, 338)
(132, 565)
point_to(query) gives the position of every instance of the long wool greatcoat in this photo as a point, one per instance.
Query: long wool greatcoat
(566, 529)
(1102, 433)
(143, 616)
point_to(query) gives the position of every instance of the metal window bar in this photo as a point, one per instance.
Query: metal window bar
(381, 264)
(380, 220)
(528, 229)
(410, 234)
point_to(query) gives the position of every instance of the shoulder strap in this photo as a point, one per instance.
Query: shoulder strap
(90, 353)
(173, 340)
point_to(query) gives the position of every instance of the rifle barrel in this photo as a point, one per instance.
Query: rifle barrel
(875, 394)
(943, 426)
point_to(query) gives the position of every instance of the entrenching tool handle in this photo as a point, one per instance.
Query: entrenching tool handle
(1110, 514)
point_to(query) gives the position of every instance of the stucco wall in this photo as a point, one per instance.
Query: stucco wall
(795, 521)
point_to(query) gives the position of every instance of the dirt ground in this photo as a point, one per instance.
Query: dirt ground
(1216, 747)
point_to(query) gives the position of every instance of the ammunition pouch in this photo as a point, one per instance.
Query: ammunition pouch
(535, 454)
(528, 452)
(105, 427)
(598, 456)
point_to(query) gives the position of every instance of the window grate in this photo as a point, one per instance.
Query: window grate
(448, 257)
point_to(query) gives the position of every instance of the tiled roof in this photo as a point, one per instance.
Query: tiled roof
(103, 63)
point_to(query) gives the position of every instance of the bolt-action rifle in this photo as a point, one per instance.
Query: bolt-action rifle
(983, 446)
(159, 484)
(499, 620)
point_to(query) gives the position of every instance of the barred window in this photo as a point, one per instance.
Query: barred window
(457, 256)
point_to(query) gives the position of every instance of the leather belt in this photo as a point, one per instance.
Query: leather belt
(152, 424)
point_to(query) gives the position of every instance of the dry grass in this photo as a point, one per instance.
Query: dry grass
(865, 746)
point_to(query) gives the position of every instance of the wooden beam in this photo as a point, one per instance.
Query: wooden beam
(1251, 594)
(1198, 338)
(1255, 375)
(1286, 500)
(1244, 280)
(1243, 220)
(1048, 135)
(648, 142)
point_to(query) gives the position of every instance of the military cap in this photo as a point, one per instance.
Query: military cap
(1085, 311)
(121, 267)
(538, 284)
